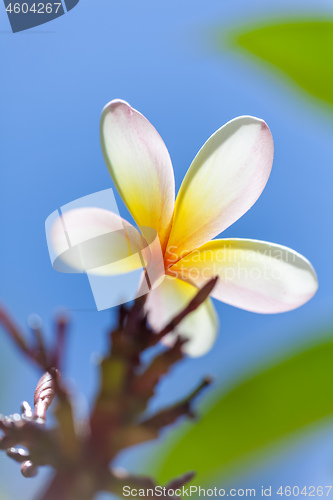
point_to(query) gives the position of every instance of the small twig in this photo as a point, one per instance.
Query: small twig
(183, 408)
(144, 384)
(197, 300)
(31, 352)
(61, 331)
(14, 332)
(39, 349)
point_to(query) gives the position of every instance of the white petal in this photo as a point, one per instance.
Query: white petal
(254, 275)
(140, 166)
(225, 179)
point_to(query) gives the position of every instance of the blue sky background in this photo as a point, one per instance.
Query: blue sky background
(160, 57)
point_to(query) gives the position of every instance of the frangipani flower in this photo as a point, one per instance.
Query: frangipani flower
(224, 180)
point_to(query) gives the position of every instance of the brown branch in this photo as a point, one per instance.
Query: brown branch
(144, 384)
(81, 458)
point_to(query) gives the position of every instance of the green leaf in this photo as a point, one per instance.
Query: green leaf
(302, 49)
(252, 416)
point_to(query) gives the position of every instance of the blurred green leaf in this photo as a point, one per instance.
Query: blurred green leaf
(252, 416)
(302, 49)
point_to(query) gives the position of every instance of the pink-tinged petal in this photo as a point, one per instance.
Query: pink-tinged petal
(254, 275)
(225, 179)
(200, 327)
(140, 166)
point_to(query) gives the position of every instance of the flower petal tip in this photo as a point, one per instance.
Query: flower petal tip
(114, 104)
